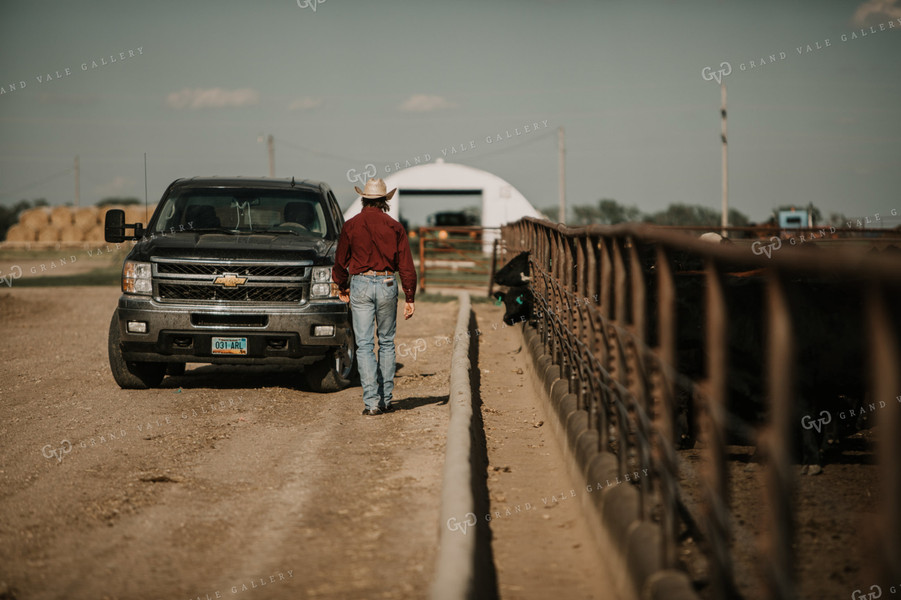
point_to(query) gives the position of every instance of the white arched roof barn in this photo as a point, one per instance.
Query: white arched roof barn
(501, 202)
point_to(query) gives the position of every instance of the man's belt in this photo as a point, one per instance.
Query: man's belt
(371, 272)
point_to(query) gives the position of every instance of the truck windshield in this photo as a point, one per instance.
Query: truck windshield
(243, 211)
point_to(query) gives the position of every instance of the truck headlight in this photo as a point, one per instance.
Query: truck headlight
(322, 285)
(136, 278)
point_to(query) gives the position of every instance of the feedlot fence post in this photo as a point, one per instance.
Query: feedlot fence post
(672, 345)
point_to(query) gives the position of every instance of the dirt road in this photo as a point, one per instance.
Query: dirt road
(237, 483)
(228, 481)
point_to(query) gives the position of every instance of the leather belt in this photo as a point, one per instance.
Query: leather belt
(371, 272)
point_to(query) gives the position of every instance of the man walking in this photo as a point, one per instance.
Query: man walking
(371, 249)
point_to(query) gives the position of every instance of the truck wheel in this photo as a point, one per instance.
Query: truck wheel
(335, 372)
(131, 375)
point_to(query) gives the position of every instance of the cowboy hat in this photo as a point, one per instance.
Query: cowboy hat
(375, 188)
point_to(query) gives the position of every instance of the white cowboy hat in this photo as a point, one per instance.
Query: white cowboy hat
(375, 188)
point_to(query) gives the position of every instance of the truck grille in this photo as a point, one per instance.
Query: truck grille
(194, 280)
(243, 270)
(219, 294)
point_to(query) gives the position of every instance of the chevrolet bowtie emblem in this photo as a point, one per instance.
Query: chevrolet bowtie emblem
(230, 280)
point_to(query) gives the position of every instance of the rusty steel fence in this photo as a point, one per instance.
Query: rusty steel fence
(455, 256)
(644, 322)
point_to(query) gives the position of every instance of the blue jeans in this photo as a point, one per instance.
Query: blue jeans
(374, 302)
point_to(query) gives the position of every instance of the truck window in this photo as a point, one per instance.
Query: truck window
(244, 211)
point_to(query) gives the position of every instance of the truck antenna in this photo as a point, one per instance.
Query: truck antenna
(146, 206)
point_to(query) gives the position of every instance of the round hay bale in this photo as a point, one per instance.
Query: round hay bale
(21, 233)
(86, 217)
(49, 233)
(71, 233)
(35, 218)
(61, 216)
(94, 234)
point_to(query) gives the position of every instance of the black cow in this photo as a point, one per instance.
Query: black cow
(827, 325)
(518, 298)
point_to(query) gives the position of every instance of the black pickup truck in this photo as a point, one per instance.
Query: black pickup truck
(234, 271)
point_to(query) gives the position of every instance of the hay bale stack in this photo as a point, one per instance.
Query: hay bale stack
(95, 234)
(86, 217)
(71, 233)
(61, 216)
(136, 214)
(49, 233)
(35, 218)
(21, 233)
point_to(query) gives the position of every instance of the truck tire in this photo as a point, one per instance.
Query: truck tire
(131, 375)
(336, 371)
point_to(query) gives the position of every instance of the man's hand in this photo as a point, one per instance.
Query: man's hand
(409, 309)
(344, 295)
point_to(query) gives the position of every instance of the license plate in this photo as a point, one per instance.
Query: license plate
(229, 345)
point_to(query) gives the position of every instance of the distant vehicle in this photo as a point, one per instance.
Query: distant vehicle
(452, 219)
(446, 222)
(793, 219)
(232, 271)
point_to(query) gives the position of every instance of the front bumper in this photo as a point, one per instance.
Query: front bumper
(183, 332)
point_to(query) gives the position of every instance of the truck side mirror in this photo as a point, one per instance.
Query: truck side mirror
(114, 226)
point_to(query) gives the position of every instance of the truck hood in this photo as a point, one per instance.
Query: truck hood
(263, 246)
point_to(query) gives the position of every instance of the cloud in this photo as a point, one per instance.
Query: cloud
(874, 11)
(425, 103)
(305, 103)
(212, 98)
(119, 186)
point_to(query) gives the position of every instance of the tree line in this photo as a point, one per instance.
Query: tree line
(611, 212)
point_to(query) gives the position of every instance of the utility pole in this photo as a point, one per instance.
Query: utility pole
(271, 144)
(77, 182)
(561, 160)
(725, 219)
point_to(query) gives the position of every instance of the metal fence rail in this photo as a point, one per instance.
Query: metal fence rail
(608, 305)
(455, 256)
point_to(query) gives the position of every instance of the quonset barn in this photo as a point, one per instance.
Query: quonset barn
(501, 202)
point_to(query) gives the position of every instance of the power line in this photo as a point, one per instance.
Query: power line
(35, 183)
(320, 153)
(521, 144)
(352, 160)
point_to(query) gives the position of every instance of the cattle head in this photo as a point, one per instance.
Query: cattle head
(514, 273)
(518, 299)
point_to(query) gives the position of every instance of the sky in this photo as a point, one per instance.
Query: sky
(340, 84)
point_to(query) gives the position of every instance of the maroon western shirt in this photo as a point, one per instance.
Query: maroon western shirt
(373, 240)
